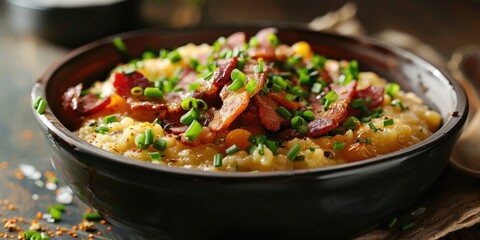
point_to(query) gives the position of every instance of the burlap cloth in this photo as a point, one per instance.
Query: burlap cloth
(453, 202)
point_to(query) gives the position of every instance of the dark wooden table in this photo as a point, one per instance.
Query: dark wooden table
(24, 58)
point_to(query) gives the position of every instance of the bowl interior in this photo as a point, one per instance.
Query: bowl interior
(92, 62)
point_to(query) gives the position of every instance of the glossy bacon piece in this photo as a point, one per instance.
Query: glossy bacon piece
(260, 78)
(221, 76)
(373, 96)
(84, 105)
(236, 40)
(123, 83)
(330, 119)
(266, 111)
(280, 97)
(232, 107)
(264, 49)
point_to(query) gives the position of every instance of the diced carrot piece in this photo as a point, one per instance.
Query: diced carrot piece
(238, 137)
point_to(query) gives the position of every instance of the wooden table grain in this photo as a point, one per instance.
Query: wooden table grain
(22, 60)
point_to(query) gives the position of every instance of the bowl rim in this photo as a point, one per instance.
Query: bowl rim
(53, 124)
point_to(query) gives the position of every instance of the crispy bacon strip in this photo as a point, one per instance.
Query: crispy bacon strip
(330, 119)
(84, 105)
(373, 96)
(266, 111)
(264, 49)
(236, 40)
(232, 107)
(280, 97)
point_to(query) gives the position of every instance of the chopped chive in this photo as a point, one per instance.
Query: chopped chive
(397, 102)
(237, 84)
(232, 149)
(312, 149)
(308, 115)
(163, 53)
(59, 207)
(283, 112)
(193, 131)
(238, 75)
(29, 234)
(252, 139)
(388, 122)
(329, 98)
(351, 123)
(153, 92)
(272, 145)
(251, 86)
(318, 61)
(392, 89)
(373, 127)
(174, 56)
(338, 146)
(358, 103)
(217, 160)
(201, 104)
(102, 129)
(188, 103)
(208, 75)
(148, 55)
(149, 135)
(160, 144)
(338, 130)
(368, 141)
(253, 42)
(219, 43)
(273, 39)
(261, 139)
(294, 151)
(299, 124)
(190, 116)
(289, 97)
(259, 68)
(193, 63)
(92, 216)
(280, 82)
(56, 214)
(316, 88)
(155, 156)
(157, 121)
(140, 141)
(109, 119)
(193, 86)
(260, 149)
(251, 149)
(136, 91)
(121, 47)
(392, 222)
(407, 226)
(40, 105)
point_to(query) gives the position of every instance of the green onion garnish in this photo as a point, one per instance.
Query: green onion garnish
(407, 226)
(397, 102)
(149, 135)
(148, 55)
(190, 116)
(40, 105)
(109, 119)
(160, 144)
(136, 91)
(232, 149)
(201, 104)
(280, 82)
(299, 124)
(290, 97)
(193, 131)
(92, 216)
(140, 141)
(29, 234)
(174, 56)
(188, 103)
(316, 88)
(392, 222)
(193, 63)
(260, 149)
(56, 214)
(392, 89)
(338, 146)
(308, 115)
(312, 149)
(253, 42)
(238, 75)
(217, 160)
(373, 127)
(152, 92)
(338, 130)
(351, 123)
(155, 156)
(102, 129)
(259, 68)
(388, 122)
(273, 39)
(358, 103)
(251, 86)
(121, 47)
(163, 53)
(330, 98)
(318, 61)
(193, 86)
(283, 112)
(294, 151)
(237, 84)
(272, 145)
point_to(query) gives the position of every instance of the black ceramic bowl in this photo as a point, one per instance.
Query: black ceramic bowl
(337, 202)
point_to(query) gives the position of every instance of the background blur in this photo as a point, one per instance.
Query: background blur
(442, 24)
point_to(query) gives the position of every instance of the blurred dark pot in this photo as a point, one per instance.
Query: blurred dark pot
(72, 26)
(158, 202)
